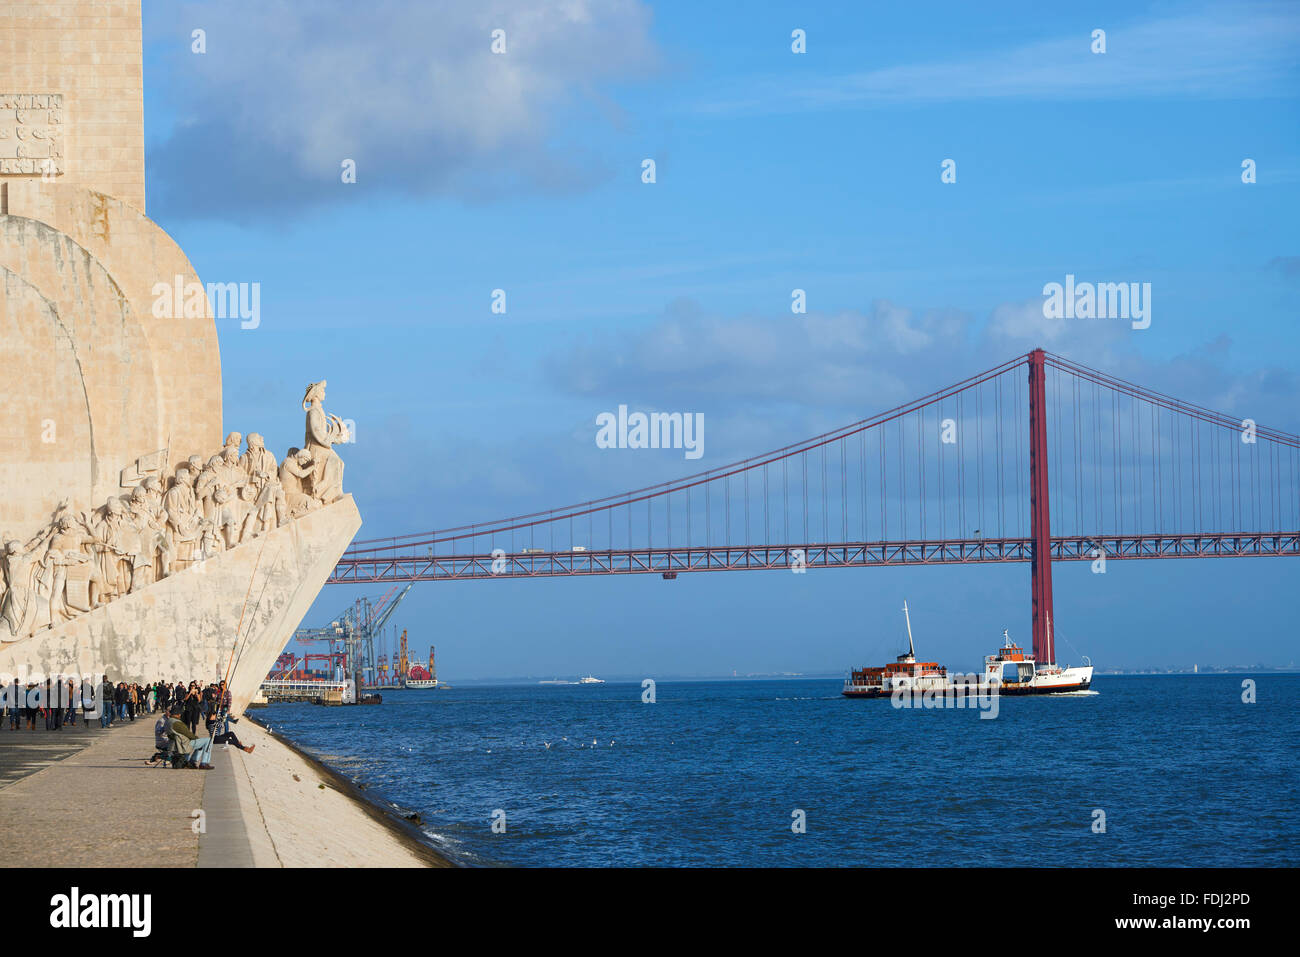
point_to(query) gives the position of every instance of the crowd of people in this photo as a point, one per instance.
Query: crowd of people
(182, 709)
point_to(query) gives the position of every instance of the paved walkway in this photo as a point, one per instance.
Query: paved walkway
(25, 752)
(132, 816)
(84, 797)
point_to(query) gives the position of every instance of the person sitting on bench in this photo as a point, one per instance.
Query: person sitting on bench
(198, 747)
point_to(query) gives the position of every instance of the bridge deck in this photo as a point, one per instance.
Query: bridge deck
(674, 560)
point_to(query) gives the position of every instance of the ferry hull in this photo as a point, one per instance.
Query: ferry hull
(1008, 689)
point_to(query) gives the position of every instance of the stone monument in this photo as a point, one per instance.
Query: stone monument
(133, 538)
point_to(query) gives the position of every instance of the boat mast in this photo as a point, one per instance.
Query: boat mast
(911, 649)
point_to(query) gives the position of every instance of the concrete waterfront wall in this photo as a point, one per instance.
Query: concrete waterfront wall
(184, 627)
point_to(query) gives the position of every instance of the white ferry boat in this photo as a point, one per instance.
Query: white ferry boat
(1018, 673)
(905, 674)
(589, 680)
(1013, 672)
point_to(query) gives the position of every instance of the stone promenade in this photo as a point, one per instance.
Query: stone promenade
(84, 797)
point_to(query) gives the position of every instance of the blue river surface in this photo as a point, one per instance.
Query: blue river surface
(712, 773)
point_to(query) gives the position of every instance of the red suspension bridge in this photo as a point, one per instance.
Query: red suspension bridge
(958, 476)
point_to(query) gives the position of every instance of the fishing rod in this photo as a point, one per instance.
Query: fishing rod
(249, 591)
(244, 643)
(222, 708)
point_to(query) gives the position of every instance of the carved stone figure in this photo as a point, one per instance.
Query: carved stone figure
(116, 543)
(295, 479)
(323, 432)
(249, 526)
(226, 518)
(151, 539)
(67, 553)
(153, 493)
(211, 543)
(182, 520)
(229, 472)
(205, 487)
(264, 474)
(258, 458)
(20, 566)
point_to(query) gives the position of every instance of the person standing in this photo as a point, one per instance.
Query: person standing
(192, 709)
(106, 703)
(70, 713)
(53, 704)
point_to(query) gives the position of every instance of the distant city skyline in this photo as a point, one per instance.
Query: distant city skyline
(774, 171)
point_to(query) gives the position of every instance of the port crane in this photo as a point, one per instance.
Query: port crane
(349, 639)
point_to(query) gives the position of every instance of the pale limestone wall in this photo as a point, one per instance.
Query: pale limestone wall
(71, 90)
(89, 52)
(184, 627)
(34, 474)
(141, 382)
(84, 369)
(139, 254)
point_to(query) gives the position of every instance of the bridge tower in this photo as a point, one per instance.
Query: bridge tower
(1040, 531)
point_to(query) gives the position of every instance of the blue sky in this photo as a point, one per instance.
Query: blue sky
(775, 171)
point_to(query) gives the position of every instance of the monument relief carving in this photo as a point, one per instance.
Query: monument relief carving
(31, 133)
(78, 562)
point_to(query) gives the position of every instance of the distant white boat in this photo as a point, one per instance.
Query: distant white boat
(589, 680)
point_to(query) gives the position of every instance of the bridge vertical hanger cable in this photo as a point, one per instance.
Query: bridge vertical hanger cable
(844, 491)
(979, 453)
(884, 523)
(803, 460)
(902, 479)
(1114, 462)
(826, 528)
(961, 468)
(997, 451)
(939, 458)
(920, 469)
(862, 477)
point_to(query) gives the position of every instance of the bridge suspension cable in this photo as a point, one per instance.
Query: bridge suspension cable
(944, 478)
